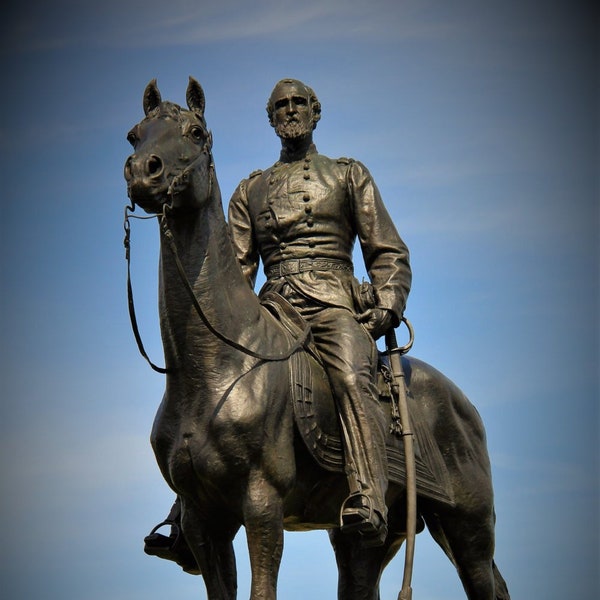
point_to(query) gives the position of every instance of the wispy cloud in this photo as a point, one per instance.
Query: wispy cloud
(137, 23)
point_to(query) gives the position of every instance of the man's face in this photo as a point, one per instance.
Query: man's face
(292, 113)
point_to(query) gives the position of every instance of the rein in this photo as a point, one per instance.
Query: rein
(130, 302)
(168, 235)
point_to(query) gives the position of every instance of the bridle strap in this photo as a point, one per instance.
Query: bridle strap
(130, 302)
(299, 343)
(127, 244)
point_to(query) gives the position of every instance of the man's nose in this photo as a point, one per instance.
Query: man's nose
(291, 107)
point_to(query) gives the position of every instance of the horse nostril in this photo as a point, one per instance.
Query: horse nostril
(154, 165)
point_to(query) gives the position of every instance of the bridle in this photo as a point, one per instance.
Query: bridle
(163, 218)
(130, 301)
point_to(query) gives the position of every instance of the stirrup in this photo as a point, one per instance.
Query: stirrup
(172, 547)
(361, 517)
(155, 542)
(363, 520)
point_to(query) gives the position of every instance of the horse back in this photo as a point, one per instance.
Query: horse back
(441, 408)
(449, 435)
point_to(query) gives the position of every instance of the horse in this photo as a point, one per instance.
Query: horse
(228, 437)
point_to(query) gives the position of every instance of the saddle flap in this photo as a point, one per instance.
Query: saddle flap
(317, 422)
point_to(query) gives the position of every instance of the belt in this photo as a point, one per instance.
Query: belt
(302, 265)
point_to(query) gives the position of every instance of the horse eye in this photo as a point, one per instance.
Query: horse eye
(132, 138)
(197, 133)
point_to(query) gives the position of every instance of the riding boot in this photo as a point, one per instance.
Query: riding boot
(364, 512)
(172, 547)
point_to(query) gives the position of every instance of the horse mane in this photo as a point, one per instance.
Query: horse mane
(167, 109)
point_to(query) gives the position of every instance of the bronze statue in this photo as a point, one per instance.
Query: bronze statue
(247, 431)
(301, 217)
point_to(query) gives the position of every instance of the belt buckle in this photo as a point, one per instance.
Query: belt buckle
(290, 267)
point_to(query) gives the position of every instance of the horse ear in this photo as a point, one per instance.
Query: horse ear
(195, 97)
(151, 97)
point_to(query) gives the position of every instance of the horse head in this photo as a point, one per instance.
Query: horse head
(172, 161)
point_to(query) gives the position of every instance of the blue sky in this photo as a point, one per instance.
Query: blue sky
(479, 122)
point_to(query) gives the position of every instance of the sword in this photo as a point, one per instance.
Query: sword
(403, 429)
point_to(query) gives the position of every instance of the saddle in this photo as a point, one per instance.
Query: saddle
(317, 420)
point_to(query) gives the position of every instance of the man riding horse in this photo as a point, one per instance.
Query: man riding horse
(301, 218)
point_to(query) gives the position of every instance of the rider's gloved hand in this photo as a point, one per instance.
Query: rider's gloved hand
(376, 320)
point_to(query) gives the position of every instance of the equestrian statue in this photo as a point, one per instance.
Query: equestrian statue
(279, 412)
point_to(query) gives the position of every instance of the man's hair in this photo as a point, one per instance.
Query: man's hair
(315, 105)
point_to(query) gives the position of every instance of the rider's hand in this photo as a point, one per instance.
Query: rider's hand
(376, 320)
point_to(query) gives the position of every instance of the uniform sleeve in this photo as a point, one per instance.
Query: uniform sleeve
(385, 254)
(242, 235)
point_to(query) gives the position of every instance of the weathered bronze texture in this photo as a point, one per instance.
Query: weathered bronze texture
(246, 433)
(301, 217)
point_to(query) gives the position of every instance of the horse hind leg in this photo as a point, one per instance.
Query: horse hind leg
(359, 568)
(213, 550)
(468, 541)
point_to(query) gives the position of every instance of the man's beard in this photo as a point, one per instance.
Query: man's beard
(293, 130)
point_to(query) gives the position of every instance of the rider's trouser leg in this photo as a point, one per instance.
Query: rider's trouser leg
(350, 357)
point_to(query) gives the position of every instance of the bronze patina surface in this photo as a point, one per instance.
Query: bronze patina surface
(225, 436)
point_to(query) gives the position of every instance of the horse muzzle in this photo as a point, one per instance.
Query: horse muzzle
(147, 185)
(149, 167)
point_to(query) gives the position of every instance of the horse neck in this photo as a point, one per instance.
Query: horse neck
(206, 254)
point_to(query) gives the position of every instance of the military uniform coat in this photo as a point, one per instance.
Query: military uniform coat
(315, 208)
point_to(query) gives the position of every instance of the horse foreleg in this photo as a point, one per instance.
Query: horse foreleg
(263, 519)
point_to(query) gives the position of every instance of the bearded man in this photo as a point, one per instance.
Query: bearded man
(301, 217)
